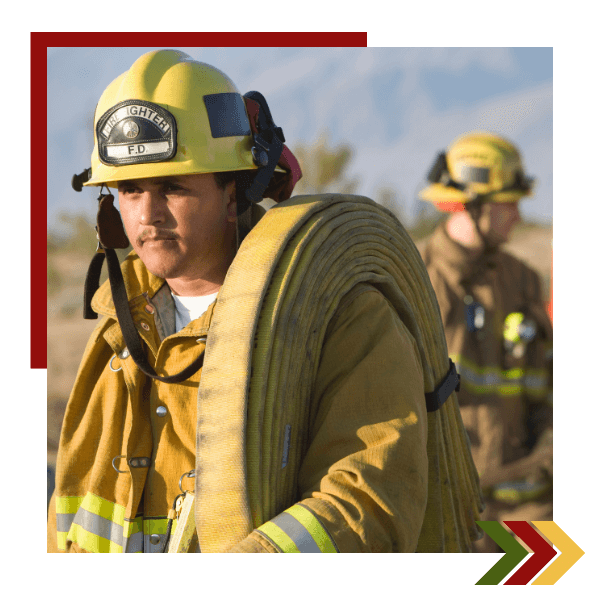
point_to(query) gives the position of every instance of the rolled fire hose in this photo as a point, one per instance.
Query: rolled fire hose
(279, 295)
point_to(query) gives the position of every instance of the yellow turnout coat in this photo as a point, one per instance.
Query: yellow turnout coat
(357, 474)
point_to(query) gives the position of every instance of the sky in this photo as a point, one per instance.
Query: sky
(396, 108)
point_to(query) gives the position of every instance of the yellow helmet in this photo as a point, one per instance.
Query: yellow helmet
(170, 115)
(477, 166)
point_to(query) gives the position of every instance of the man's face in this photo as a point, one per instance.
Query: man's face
(182, 227)
(498, 220)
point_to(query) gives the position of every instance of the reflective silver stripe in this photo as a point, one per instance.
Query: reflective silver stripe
(297, 532)
(135, 543)
(485, 379)
(99, 526)
(491, 379)
(533, 381)
(63, 522)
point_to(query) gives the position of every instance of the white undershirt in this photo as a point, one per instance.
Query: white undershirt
(188, 308)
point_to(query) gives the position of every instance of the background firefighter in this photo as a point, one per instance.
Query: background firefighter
(497, 329)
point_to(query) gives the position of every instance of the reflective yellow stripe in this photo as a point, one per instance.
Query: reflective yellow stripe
(297, 529)
(479, 370)
(517, 492)
(96, 525)
(62, 540)
(158, 526)
(66, 505)
(511, 327)
(513, 373)
(493, 380)
(92, 542)
(66, 508)
(99, 525)
(281, 539)
(314, 527)
(104, 508)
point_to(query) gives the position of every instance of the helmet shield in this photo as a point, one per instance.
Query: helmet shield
(135, 132)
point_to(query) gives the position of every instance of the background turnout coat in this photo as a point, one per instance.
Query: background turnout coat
(505, 395)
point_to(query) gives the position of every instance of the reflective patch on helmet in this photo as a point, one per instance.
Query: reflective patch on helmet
(474, 174)
(136, 131)
(226, 115)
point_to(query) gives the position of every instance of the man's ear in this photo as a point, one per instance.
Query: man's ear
(232, 204)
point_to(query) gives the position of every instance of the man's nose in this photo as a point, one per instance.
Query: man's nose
(152, 209)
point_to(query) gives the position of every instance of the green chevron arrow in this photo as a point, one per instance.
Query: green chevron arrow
(515, 553)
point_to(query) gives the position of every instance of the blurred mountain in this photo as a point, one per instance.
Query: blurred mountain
(395, 107)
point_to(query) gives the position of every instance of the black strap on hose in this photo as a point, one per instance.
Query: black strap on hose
(267, 149)
(434, 400)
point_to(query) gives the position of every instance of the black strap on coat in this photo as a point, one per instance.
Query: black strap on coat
(129, 331)
(121, 302)
(111, 235)
(435, 400)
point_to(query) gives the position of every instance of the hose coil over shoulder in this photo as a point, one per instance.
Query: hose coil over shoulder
(280, 293)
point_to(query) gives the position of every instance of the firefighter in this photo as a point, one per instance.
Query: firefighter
(497, 329)
(213, 411)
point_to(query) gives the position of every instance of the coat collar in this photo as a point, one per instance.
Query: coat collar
(142, 287)
(139, 283)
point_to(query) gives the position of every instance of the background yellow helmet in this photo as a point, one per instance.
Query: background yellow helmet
(477, 166)
(169, 115)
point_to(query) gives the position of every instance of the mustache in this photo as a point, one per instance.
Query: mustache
(150, 235)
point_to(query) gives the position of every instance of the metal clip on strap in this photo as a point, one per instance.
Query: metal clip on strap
(434, 400)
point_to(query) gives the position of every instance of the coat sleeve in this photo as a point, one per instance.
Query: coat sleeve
(363, 479)
(539, 413)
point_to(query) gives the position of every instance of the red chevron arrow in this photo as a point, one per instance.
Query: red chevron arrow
(543, 553)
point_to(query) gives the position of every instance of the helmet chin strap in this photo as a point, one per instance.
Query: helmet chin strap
(474, 210)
